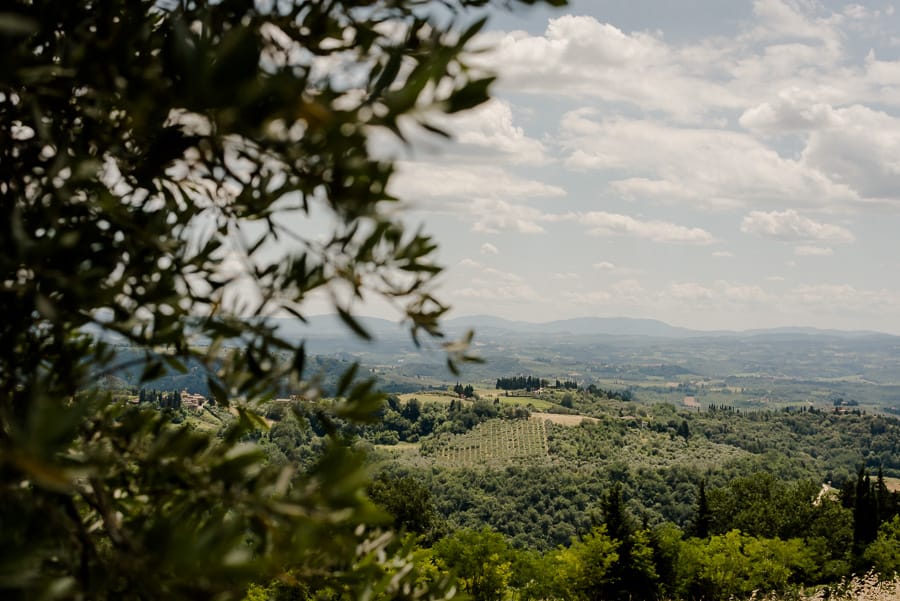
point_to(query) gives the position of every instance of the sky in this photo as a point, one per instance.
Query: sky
(710, 164)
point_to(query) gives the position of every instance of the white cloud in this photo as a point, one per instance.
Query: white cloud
(622, 292)
(487, 197)
(496, 285)
(785, 110)
(793, 19)
(706, 167)
(718, 296)
(417, 180)
(743, 293)
(789, 44)
(790, 226)
(579, 56)
(861, 151)
(484, 291)
(492, 216)
(813, 251)
(613, 224)
(794, 110)
(614, 269)
(486, 131)
(490, 128)
(690, 291)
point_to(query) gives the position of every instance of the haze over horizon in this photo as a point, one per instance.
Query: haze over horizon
(713, 166)
(620, 323)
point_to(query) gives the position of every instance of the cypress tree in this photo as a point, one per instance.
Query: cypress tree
(703, 517)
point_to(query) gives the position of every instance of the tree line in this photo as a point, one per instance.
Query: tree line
(163, 399)
(528, 383)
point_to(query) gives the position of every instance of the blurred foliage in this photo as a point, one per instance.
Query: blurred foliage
(172, 175)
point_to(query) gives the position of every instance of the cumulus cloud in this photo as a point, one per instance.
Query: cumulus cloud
(793, 19)
(492, 216)
(613, 269)
(423, 180)
(580, 56)
(790, 226)
(788, 72)
(794, 110)
(490, 128)
(788, 44)
(784, 111)
(707, 167)
(860, 152)
(490, 198)
(488, 249)
(613, 224)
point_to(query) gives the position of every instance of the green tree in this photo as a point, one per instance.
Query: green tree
(159, 164)
(735, 564)
(633, 574)
(702, 514)
(408, 502)
(534, 576)
(585, 568)
(761, 505)
(865, 511)
(480, 559)
(884, 552)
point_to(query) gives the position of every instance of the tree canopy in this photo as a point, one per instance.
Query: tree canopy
(173, 174)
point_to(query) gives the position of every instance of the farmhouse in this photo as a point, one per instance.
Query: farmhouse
(192, 401)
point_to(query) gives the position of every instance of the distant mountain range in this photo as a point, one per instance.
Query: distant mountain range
(628, 326)
(331, 326)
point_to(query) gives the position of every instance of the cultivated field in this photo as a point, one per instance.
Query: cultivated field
(495, 443)
(563, 420)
